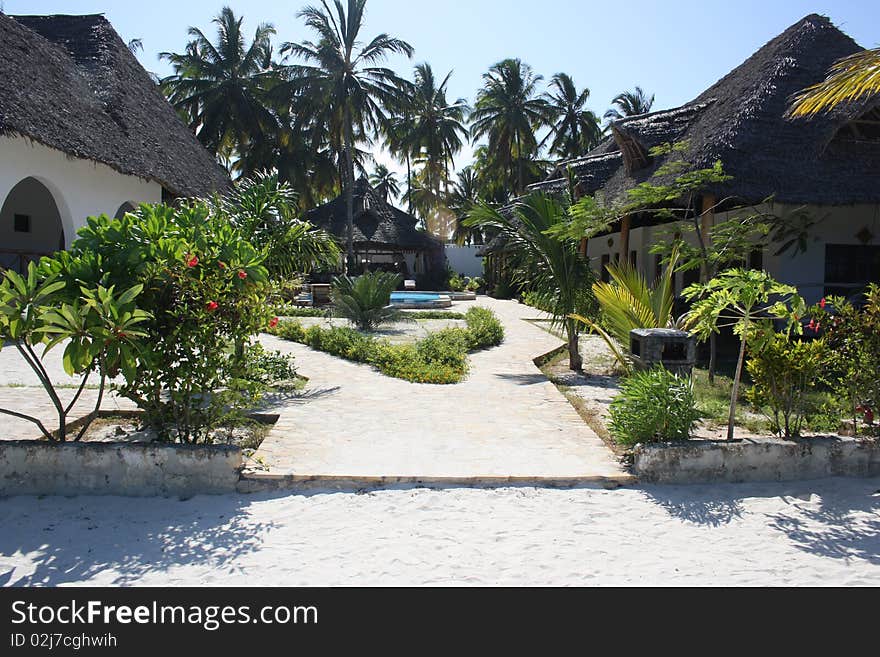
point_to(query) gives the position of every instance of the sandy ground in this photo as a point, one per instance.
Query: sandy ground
(809, 533)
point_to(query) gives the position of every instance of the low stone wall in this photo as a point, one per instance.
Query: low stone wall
(129, 469)
(765, 460)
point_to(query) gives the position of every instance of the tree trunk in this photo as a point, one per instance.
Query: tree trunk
(713, 357)
(409, 207)
(349, 195)
(734, 393)
(575, 362)
(519, 171)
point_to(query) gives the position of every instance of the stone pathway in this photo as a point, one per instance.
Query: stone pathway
(505, 421)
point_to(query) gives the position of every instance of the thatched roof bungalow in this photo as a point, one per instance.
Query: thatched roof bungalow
(84, 130)
(826, 167)
(384, 237)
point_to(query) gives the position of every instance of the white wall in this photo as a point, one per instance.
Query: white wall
(464, 260)
(81, 188)
(836, 225)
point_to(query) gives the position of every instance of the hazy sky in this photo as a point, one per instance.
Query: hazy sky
(673, 48)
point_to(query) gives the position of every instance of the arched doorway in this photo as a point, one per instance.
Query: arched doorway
(124, 209)
(30, 225)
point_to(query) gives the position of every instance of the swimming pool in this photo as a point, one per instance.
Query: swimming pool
(420, 300)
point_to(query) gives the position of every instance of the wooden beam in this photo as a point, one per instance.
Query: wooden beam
(582, 247)
(707, 222)
(624, 237)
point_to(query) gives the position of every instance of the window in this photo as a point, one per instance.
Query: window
(22, 223)
(849, 268)
(658, 266)
(756, 260)
(690, 277)
(634, 258)
(604, 275)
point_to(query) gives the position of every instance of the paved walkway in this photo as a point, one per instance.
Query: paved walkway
(505, 421)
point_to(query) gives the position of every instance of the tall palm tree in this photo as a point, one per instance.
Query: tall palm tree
(220, 88)
(508, 111)
(548, 265)
(464, 198)
(437, 126)
(574, 130)
(341, 73)
(385, 181)
(630, 103)
(850, 79)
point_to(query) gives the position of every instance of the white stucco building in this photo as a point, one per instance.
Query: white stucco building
(819, 177)
(84, 131)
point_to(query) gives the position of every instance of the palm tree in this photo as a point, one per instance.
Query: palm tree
(549, 265)
(221, 88)
(574, 130)
(630, 103)
(385, 181)
(341, 74)
(850, 79)
(464, 198)
(508, 111)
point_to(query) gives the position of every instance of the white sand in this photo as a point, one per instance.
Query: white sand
(809, 533)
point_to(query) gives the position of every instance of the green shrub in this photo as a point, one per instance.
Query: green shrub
(653, 406)
(365, 301)
(206, 289)
(289, 310)
(269, 367)
(783, 371)
(484, 329)
(475, 284)
(435, 314)
(439, 358)
(457, 283)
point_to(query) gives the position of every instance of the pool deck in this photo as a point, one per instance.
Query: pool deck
(506, 423)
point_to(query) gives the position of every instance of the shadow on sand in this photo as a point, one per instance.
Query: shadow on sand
(835, 518)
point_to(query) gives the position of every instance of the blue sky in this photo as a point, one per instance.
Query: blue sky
(673, 48)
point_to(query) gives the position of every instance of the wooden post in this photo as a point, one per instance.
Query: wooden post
(707, 222)
(582, 247)
(624, 238)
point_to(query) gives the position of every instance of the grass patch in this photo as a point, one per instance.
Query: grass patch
(440, 358)
(420, 315)
(300, 311)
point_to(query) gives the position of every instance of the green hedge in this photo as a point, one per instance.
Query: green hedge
(439, 358)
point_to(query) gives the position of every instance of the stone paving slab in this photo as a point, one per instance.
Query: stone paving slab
(505, 420)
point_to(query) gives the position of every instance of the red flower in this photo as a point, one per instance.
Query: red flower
(273, 322)
(242, 274)
(191, 261)
(212, 306)
(812, 325)
(222, 265)
(823, 303)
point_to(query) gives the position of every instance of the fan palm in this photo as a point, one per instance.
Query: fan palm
(850, 79)
(550, 266)
(574, 130)
(365, 301)
(341, 73)
(385, 181)
(508, 111)
(220, 88)
(630, 103)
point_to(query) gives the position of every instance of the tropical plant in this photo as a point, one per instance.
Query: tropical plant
(221, 88)
(206, 288)
(850, 79)
(508, 111)
(628, 302)
(783, 371)
(653, 406)
(100, 330)
(385, 182)
(630, 103)
(341, 74)
(548, 265)
(365, 300)
(574, 130)
(852, 335)
(265, 212)
(741, 299)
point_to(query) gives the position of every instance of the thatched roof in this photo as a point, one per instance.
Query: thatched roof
(740, 120)
(71, 83)
(376, 222)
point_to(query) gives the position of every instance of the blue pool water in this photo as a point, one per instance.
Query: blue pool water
(413, 297)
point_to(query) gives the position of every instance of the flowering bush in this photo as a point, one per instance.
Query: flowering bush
(853, 339)
(205, 286)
